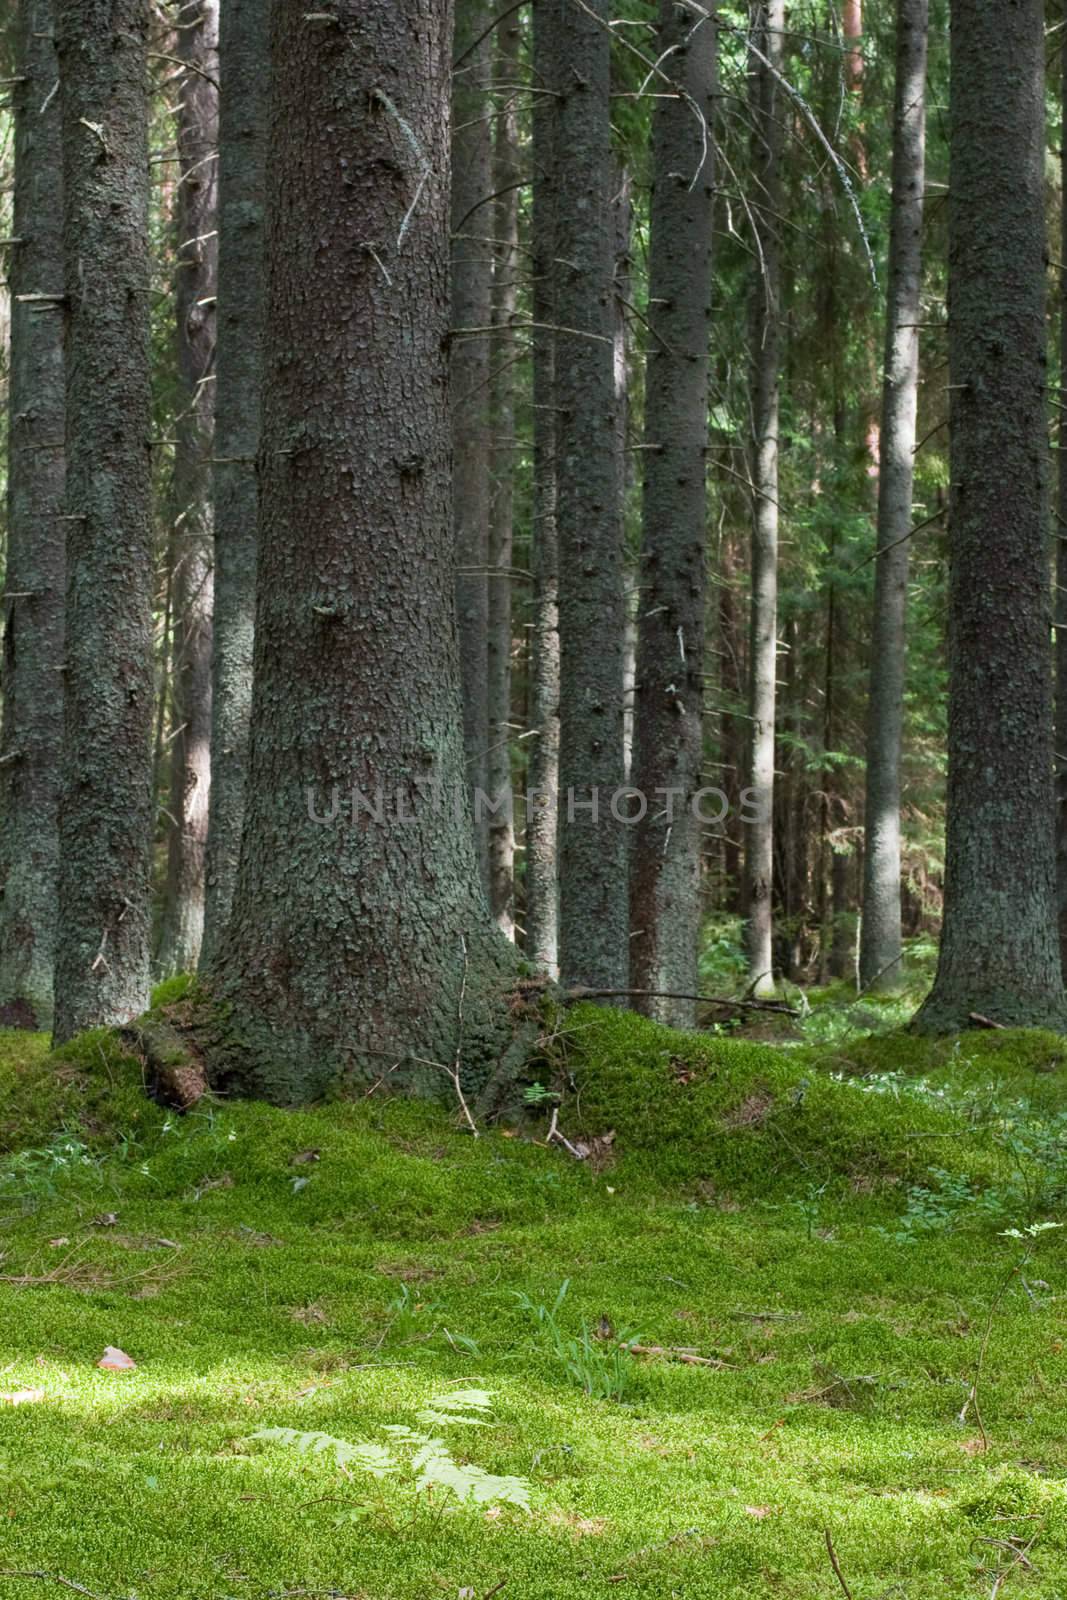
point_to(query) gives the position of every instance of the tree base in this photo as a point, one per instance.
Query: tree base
(946, 1011)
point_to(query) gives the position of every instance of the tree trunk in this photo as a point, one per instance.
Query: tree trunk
(542, 817)
(196, 285)
(880, 942)
(360, 947)
(505, 229)
(472, 307)
(106, 810)
(668, 724)
(244, 57)
(31, 734)
(765, 358)
(594, 942)
(999, 952)
(1061, 551)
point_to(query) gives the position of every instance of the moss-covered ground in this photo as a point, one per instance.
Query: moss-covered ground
(827, 1226)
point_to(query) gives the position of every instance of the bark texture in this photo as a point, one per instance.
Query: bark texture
(472, 306)
(244, 64)
(196, 287)
(1061, 564)
(542, 815)
(594, 942)
(668, 722)
(506, 277)
(31, 733)
(999, 952)
(362, 946)
(880, 939)
(767, 140)
(102, 948)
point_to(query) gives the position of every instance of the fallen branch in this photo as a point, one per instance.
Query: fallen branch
(682, 1353)
(742, 1004)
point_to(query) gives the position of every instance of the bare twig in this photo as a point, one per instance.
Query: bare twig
(838, 1574)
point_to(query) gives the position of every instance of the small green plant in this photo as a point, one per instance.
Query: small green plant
(30, 1177)
(420, 1458)
(539, 1094)
(603, 1368)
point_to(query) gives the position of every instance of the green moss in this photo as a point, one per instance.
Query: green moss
(334, 1269)
(171, 990)
(750, 1118)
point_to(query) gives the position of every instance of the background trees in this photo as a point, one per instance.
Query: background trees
(626, 427)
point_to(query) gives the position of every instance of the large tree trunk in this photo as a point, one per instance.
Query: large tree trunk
(106, 812)
(31, 734)
(594, 942)
(504, 355)
(196, 284)
(668, 726)
(542, 815)
(244, 57)
(472, 305)
(999, 952)
(363, 946)
(880, 944)
(767, 142)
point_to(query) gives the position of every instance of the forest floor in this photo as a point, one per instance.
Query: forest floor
(837, 1230)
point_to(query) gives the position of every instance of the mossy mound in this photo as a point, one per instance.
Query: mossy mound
(749, 1118)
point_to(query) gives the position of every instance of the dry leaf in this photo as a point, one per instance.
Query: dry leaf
(22, 1397)
(57, 1244)
(757, 1511)
(115, 1360)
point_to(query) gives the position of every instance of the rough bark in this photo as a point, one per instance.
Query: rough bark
(542, 817)
(1061, 555)
(196, 286)
(472, 305)
(767, 142)
(880, 938)
(102, 949)
(999, 952)
(507, 272)
(31, 733)
(360, 947)
(244, 57)
(594, 944)
(668, 721)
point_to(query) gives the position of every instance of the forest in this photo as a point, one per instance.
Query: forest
(533, 799)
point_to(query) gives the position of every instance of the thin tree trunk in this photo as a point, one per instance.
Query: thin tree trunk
(999, 951)
(542, 880)
(361, 947)
(1060, 609)
(504, 355)
(106, 811)
(765, 358)
(594, 943)
(196, 214)
(880, 940)
(244, 58)
(668, 732)
(31, 734)
(472, 306)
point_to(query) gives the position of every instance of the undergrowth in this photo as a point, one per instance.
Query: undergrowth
(788, 1276)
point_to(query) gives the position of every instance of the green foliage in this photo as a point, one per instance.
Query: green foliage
(602, 1368)
(429, 1460)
